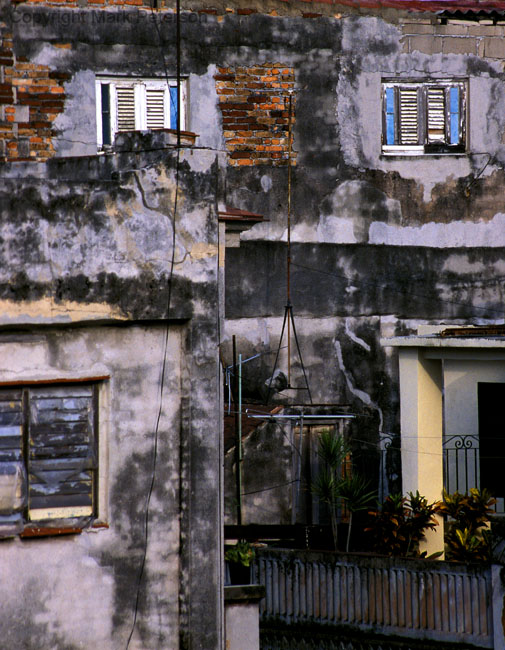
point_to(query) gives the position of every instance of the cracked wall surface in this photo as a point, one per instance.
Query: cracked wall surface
(89, 292)
(381, 243)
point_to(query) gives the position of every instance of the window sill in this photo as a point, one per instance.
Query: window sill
(48, 531)
(421, 154)
(31, 531)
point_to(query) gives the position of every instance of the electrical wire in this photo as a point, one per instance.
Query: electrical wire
(272, 487)
(162, 377)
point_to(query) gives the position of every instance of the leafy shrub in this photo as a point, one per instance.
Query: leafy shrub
(399, 524)
(241, 553)
(467, 534)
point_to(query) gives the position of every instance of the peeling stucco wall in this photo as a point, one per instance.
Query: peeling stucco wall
(88, 291)
(381, 243)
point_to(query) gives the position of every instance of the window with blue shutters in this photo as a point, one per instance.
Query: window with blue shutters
(423, 117)
(136, 105)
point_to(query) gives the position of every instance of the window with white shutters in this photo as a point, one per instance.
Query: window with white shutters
(136, 105)
(423, 117)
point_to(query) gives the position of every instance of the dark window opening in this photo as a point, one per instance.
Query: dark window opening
(106, 130)
(491, 397)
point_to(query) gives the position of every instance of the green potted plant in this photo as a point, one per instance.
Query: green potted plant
(239, 557)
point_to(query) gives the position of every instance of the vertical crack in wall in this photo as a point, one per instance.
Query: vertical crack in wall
(356, 338)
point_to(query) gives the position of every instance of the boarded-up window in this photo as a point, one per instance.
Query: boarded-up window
(424, 117)
(48, 434)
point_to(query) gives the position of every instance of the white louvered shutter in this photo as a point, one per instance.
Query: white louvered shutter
(155, 108)
(409, 116)
(125, 108)
(436, 114)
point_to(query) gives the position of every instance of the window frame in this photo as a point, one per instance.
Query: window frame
(65, 519)
(424, 145)
(140, 87)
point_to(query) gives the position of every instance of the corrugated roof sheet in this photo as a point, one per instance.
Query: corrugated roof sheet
(474, 332)
(437, 6)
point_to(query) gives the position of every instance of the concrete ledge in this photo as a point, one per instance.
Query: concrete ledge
(244, 593)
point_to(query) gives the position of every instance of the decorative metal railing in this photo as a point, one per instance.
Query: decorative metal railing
(411, 599)
(462, 467)
(461, 463)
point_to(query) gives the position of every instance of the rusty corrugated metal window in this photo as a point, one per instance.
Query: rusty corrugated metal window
(424, 117)
(48, 452)
(61, 451)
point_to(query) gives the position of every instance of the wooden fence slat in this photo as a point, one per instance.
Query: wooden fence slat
(412, 599)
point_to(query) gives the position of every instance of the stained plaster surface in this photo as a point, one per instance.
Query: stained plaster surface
(344, 189)
(379, 241)
(78, 591)
(87, 248)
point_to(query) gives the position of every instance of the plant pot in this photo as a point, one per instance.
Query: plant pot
(239, 574)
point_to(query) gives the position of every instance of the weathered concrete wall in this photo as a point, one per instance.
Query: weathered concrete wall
(87, 275)
(381, 242)
(79, 591)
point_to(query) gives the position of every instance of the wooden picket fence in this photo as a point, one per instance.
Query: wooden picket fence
(412, 599)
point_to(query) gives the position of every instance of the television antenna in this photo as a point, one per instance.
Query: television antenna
(288, 322)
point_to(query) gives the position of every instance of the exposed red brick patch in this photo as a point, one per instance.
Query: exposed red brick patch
(254, 106)
(32, 96)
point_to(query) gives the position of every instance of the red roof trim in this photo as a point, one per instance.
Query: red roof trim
(425, 5)
(234, 214)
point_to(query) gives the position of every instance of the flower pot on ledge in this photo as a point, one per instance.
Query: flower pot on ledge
(238, 573)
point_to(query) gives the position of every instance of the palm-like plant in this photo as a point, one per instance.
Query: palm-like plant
(354, 492)
(332, 450)
(336, 487)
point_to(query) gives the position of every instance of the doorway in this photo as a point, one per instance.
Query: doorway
(491, 400)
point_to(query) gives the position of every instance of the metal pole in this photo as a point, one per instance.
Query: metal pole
(239, 468)
(178, 54)
(238, 487)
(288, 271)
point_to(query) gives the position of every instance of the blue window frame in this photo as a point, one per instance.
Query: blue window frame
(422, 117)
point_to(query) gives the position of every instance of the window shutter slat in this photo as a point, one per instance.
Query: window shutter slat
(61, 453)
(11, 432)
(436, 114)
(155, 108)
(125, 108)
(409, 117)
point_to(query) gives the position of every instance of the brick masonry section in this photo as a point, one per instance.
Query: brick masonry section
(486, 41)
(31, 97)
(254, 103)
